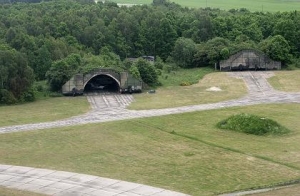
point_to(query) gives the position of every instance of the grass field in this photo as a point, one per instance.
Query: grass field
(183, 152)
(43, 110)
(288, 81)
(171, 94)
(254, 5)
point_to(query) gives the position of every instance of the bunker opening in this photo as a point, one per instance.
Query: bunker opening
(102, 84)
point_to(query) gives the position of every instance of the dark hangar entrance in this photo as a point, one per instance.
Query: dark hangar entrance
(102, 84)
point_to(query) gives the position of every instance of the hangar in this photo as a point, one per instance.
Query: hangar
(102, 81)
(249, 60)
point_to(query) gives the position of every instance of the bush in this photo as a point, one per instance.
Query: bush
(252, 124)
(6, 97)
(28, 96)
(185, 83)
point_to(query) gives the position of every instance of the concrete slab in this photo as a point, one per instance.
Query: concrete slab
(60, 183)
(5, 177)
(29, 187)
(39, 172)
(102, 182)
(4, 167)
(146, 190)
(82, 189)
(123, 186)
(18, 170)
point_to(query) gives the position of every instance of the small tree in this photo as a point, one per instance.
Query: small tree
(61, 71)
(147, 72)
(277, 48)
(184, 51)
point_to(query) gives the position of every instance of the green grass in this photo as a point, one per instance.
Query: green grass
(13, 192)
(49, 109)
(175, 78)
(254, 5)
(252, 124)
(183, 152)
(291, 191)
(171, 94)
(288, 81)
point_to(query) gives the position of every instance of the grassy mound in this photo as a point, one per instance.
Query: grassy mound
(252, 124)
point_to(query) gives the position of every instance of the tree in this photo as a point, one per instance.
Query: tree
(211, 51)
(147, 72)
(61, 71)
(277, 48)
(184, 51)
(16, 77)
(165, 41)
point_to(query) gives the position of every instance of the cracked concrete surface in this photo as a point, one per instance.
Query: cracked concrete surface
(61, 183)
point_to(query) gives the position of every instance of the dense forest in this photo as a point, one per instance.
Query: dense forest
(52, 40)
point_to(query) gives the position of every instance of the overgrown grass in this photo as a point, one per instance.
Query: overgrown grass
(14, 192)
(288, 81)
(48, 109)
(183, 152)
(252, 124)
(254, 5)
(191, 76)
(171, 94)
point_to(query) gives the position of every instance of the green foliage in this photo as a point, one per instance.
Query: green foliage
(147, 72)
(252, 124)
(185, 83)
(105, 59)
(6, 97)
(277, 48)
(184, 51)
(183, 76)
(135, 72)
(158, 64)
(16, 77)
(29, 95)
(104, 34)
(212, 51)
(61, 71)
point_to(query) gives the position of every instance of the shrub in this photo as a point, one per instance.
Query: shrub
(6, 97)
(185, 83)
(29, 95)
(252, 124)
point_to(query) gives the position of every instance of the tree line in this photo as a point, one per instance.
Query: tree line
(54, 39)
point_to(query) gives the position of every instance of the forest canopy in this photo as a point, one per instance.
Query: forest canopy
(54, 39)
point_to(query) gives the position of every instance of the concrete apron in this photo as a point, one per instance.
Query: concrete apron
(61, 183)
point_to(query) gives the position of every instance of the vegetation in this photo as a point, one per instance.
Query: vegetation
(252, 124)
(13, 192)
(54, 39)
(194, 92)
(255, 5)
(291, 190)
(183, 152)
(286, 81)
(42, 110)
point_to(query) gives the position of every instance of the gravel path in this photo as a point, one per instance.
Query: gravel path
(113, 107)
